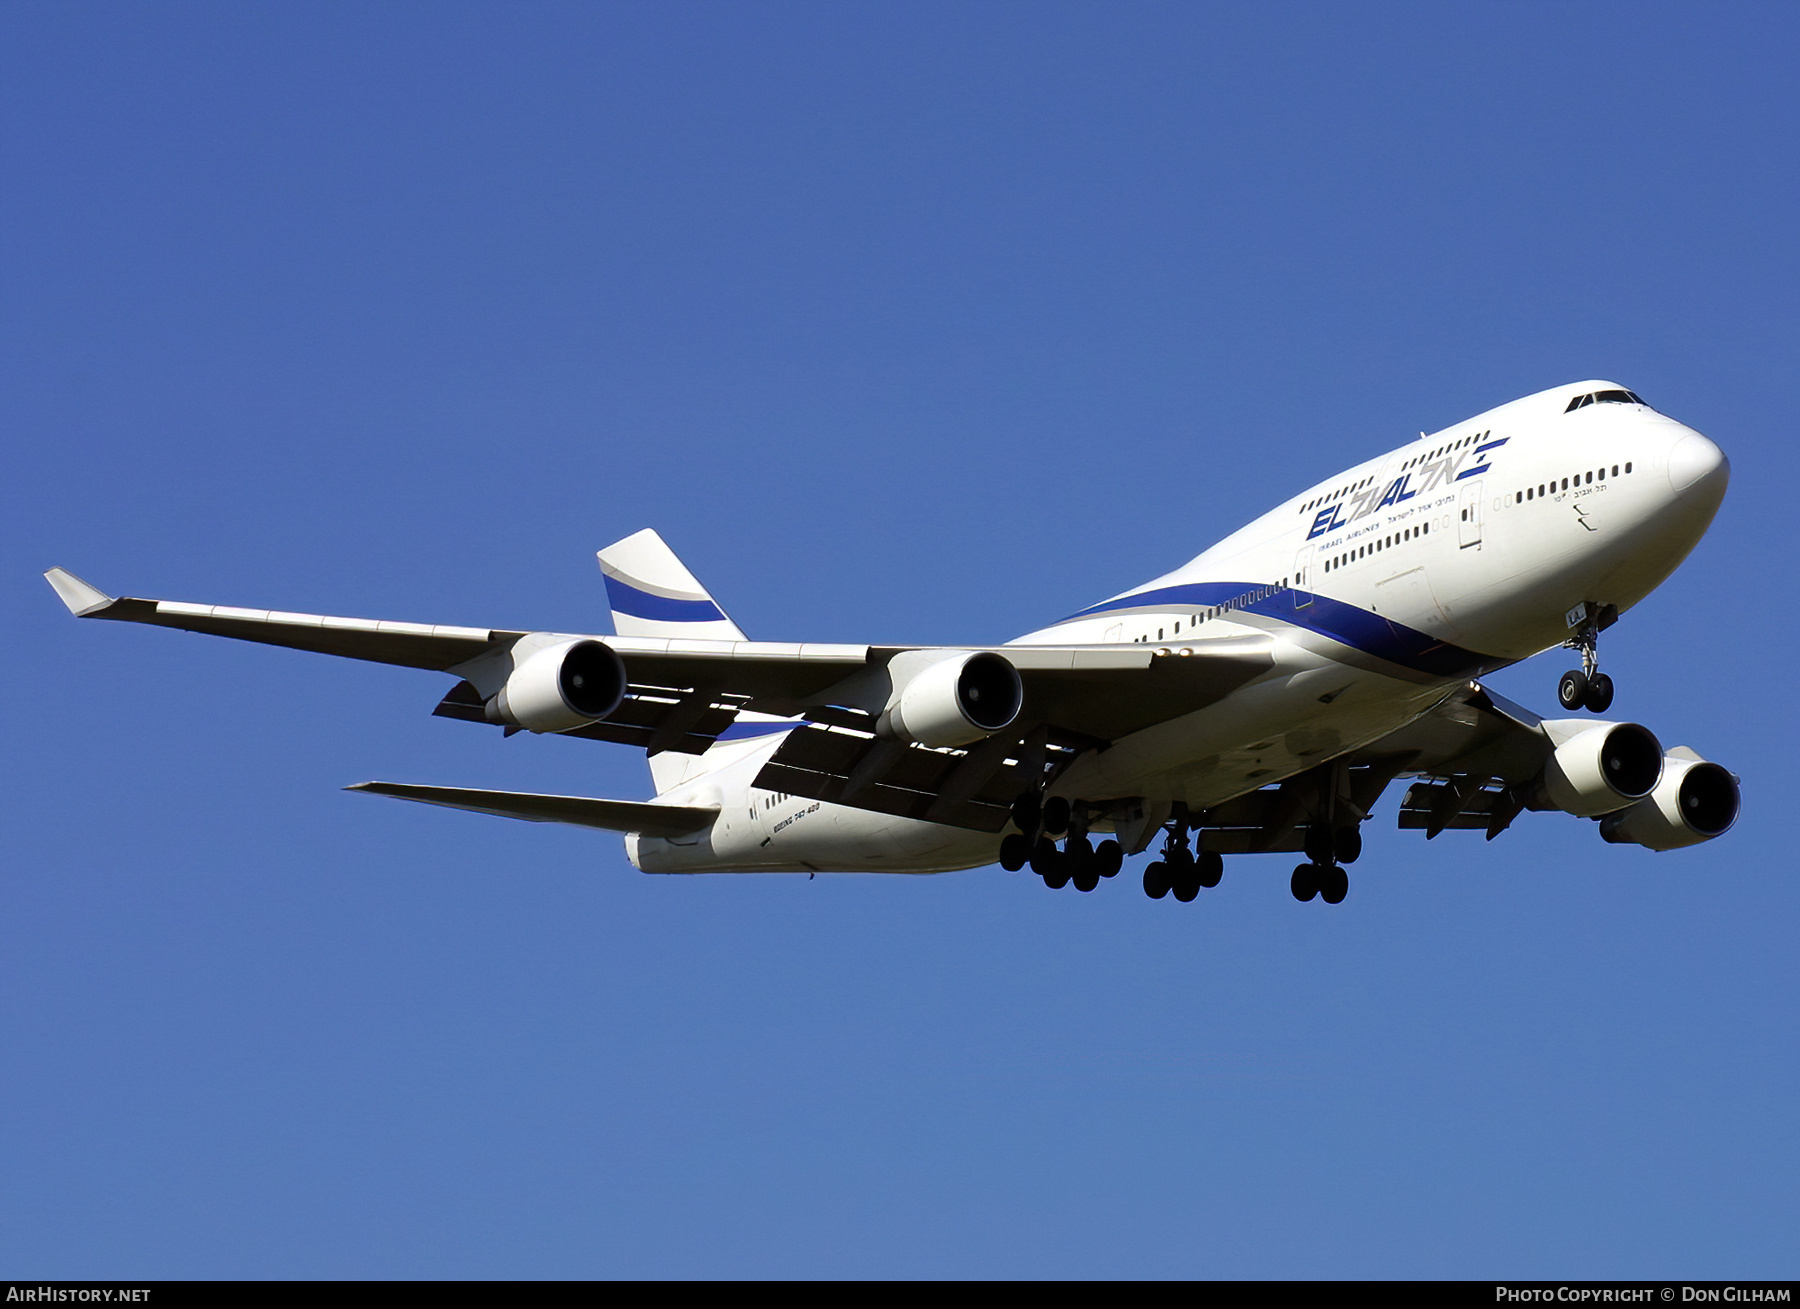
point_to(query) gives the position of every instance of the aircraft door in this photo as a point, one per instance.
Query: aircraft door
(1303, 578)
(1469, 516)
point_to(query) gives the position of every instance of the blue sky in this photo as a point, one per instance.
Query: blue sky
(904, 323)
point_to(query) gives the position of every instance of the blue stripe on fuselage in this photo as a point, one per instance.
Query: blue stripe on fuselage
(741, 731)
(1345, 623)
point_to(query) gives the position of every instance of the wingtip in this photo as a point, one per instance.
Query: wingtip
(82, 598)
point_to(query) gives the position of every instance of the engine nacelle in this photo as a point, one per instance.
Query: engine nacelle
(955, 700)
(1694, 802)
(1601, 767)
(569, 684)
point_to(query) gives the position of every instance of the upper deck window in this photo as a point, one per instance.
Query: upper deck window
(1604, 398)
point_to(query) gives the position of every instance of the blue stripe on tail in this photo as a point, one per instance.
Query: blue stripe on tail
(627, 599)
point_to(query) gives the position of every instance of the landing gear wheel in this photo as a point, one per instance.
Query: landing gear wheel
(1045, 858)
(1305, 882)
(1156, 880)
(1015, 853)
(1110, 856)
(1318, 843)
(1026, 811)
(1186, 883)
(1084, 868)
(1056, 816)
(1572, 691)
(1211, 867)
(1334, 885)
(1599, 694)
(1347, 844)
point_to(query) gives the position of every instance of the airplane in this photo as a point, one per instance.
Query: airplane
(1260, 698)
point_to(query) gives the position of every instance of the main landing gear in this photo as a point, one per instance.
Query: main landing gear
(1587, 687)
(1181, 870)
(1079, 861)
(1328, 849)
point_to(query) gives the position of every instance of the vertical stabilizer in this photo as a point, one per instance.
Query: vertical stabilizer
(653, 594)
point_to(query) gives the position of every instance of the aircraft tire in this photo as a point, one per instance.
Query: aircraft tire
(1056, 816)
(1212, 868)
(1015, 852)
(1599, 695)
(1334, 885)
(1305, 882)
(1111, 856)
(1347, 844)
(1045, 858)
(1087, 875)
(1156, 879)
(1318, 843)
(1572, 691)
(1187, 884)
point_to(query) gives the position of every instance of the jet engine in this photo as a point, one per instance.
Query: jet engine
(1694, 802)
(955, 700)
(1601, 767)
(557, 687)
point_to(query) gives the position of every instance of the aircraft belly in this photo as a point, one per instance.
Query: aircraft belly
(815, 836)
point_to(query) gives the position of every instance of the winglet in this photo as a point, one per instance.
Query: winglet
(81, 598)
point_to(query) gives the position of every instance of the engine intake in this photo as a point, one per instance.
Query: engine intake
(558, 687)
(1694, 802)
(1602, 768)
(955, 700)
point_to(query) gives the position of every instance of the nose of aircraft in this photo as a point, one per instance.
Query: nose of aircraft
(1697, 462)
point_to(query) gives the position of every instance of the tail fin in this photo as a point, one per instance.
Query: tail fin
(653, 594)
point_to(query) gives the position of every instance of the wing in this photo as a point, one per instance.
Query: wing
(1477, 755)
(411, 645)
(685, 694)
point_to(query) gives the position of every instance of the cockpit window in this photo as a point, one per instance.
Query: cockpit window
(1605, 398)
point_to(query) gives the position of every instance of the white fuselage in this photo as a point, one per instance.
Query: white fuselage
(1383, 588)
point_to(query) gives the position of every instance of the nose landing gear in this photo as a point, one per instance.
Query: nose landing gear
(1587, 687)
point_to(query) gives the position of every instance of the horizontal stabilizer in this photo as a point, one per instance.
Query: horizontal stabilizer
(611, 815)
